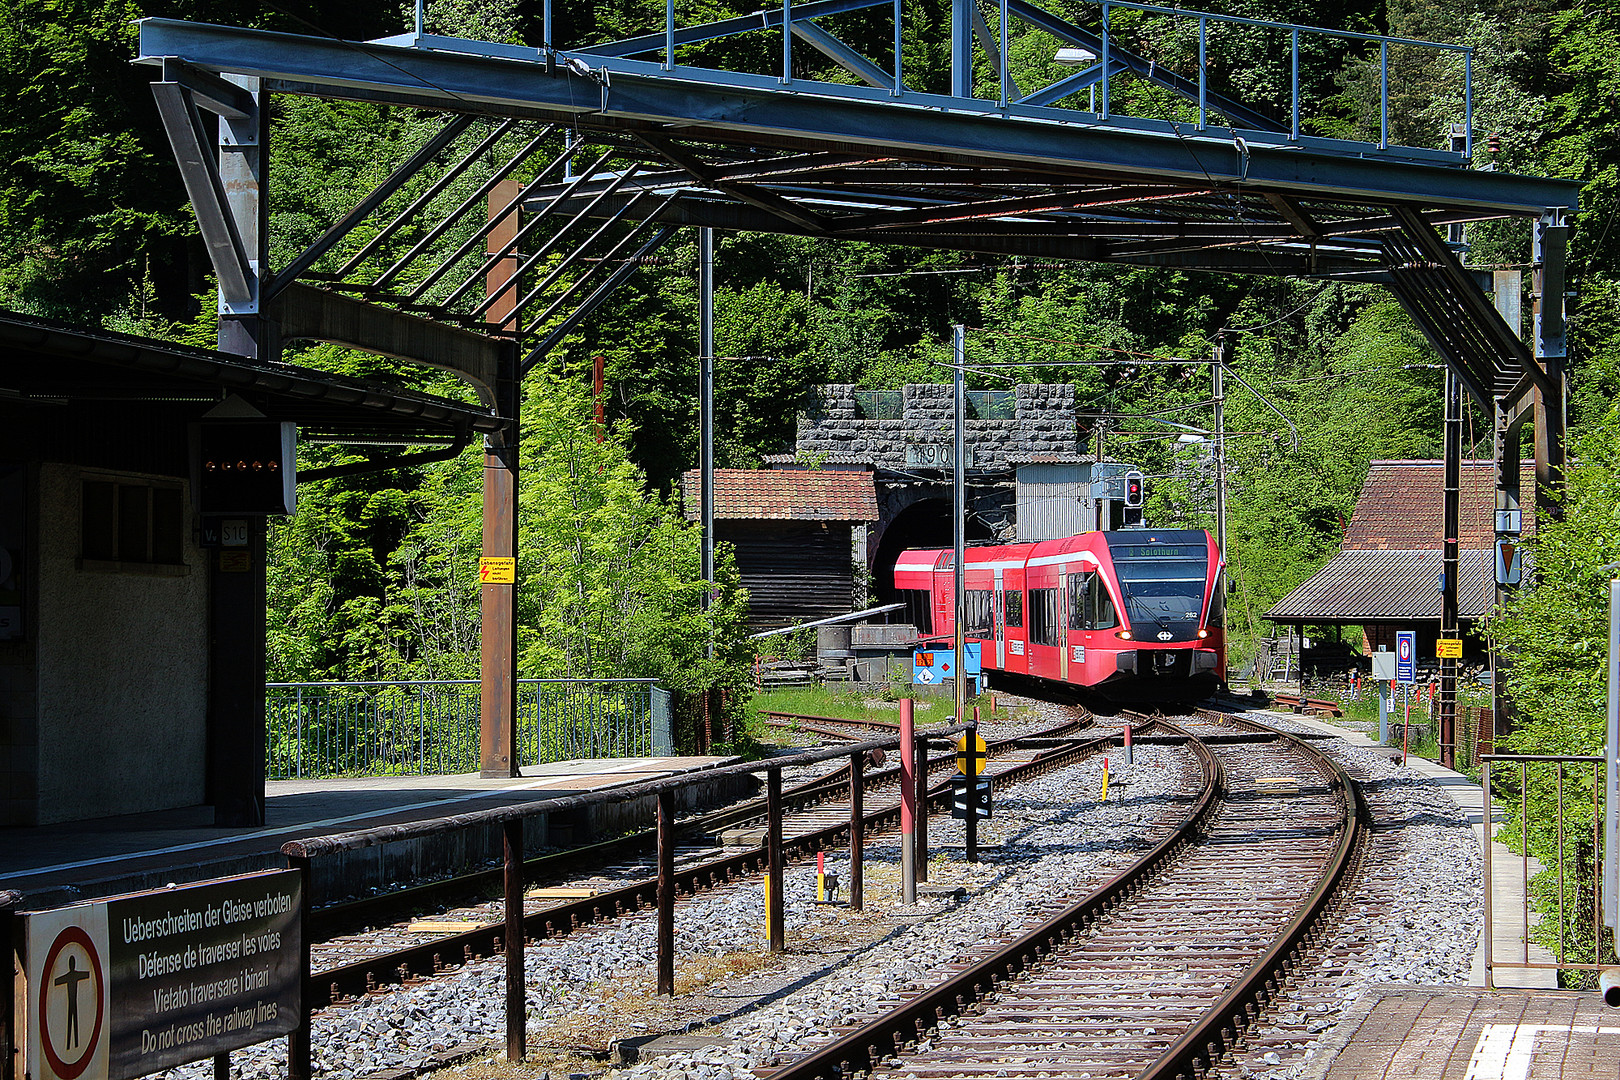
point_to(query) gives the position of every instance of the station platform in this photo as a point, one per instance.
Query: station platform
(1448, 1033)
(58, 864)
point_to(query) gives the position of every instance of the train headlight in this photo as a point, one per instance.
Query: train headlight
(1203, 633)
(1126, 634)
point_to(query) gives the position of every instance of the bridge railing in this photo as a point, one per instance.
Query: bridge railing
(1106, 44)
(430, 727)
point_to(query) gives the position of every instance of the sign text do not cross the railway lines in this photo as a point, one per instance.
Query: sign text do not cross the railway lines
(141, 983)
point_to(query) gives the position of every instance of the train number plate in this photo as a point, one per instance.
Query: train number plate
(1077, 653)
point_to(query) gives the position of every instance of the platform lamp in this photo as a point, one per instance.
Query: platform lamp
(1078, 57)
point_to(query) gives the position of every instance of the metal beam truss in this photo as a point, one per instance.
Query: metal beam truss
(654, 142)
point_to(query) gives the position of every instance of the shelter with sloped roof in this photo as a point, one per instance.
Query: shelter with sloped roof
(1386, 574)
(799, 537)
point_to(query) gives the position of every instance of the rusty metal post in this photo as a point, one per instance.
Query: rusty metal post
(857, 834)
(666, 893)
(299, 1060)
(908, 803)
(775, 908)
(1450, 570)
(920, 752)
(517, 1035)
(497, 723)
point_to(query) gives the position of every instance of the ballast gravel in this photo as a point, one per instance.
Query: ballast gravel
(1415, 919)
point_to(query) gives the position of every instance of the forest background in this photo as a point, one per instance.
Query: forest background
(374, 576)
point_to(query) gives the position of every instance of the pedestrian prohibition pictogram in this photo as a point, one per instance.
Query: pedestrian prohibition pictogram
(71, 1003)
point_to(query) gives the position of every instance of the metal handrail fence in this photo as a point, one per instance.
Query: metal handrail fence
(430, 726)
(1553, 791)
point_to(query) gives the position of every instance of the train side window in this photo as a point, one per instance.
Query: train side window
(1043, 617)
(919, 611)
(1217, 601)
(977, 604)
(1100, 613)
(1013, 605)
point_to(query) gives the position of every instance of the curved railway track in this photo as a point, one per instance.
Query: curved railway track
(1158, 973)
(348, 965)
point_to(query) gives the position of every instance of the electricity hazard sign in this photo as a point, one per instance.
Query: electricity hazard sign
(497, 570)
(1448, 648)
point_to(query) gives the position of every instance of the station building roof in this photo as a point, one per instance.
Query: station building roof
(49, 363)
(786, 495)
(1388, 565)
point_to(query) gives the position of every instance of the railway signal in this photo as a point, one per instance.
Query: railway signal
(1133, 489)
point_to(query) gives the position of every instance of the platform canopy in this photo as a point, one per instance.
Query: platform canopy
(1212, 184)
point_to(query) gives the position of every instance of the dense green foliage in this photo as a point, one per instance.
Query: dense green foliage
(372, 577)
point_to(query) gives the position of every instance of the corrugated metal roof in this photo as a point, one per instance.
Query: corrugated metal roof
(1402, 505)
(1376, 585)
(786, 495)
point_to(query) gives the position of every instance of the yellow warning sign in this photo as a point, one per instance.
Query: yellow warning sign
(497, 570)
(1448, 648)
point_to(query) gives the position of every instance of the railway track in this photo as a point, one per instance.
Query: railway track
(1158, 973)
(348, 965)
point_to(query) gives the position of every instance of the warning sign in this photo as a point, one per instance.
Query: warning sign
(497, 570)
(145, 982)
(1448, 648)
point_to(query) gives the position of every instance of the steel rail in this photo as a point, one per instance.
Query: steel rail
(333, 985)
(862, 1049)
(1190, 1055)
(1213, 1037)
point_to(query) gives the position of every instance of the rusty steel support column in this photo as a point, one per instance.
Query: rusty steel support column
(857, 832)
(1449, 565)
(497, 722)
(666, 893)
(775, 909)
(1507, 448)
(1551, 240)
(300, 1065)
(238, 595)
(517, 1035)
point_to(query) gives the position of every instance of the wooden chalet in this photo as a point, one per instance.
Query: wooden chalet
(799, 537)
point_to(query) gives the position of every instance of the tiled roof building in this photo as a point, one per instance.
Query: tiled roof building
(797, 534)
(1388, 566)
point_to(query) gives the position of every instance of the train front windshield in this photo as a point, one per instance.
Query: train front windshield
(1162, 583)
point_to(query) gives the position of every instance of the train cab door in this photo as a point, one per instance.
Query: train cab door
(1063, 623)
(998, 618)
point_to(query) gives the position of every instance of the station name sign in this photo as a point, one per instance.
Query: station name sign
(141, 983)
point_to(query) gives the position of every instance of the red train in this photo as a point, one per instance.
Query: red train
(1137, 615)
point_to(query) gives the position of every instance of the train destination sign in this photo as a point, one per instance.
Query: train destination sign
(141, 983)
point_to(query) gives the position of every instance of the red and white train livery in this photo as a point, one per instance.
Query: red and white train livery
(1137, 615)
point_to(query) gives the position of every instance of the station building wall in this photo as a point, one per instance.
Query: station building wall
(104, 640)
(122, 657)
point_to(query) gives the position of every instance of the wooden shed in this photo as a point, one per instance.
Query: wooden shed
(796, 533)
